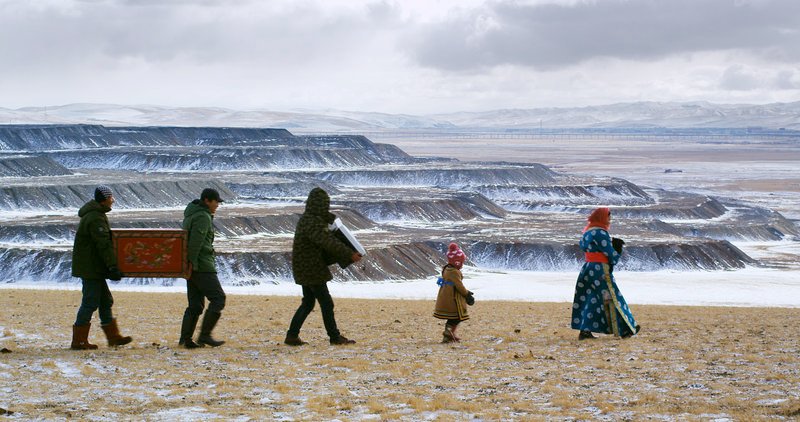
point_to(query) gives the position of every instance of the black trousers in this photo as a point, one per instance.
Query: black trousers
(96, 295)
(453, 322)
(201, 286)
(318, 293)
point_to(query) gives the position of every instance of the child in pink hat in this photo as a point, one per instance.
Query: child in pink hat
(453, 298)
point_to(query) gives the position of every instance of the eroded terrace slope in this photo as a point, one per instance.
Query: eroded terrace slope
(404, 209)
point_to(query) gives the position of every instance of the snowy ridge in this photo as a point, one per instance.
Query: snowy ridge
(462, 207)
(155, 194)
(618, 192)
(230, 227)
(30, 165)
(639, 114)
(289, 189)
(55, 137)
(448, 177)
(707, 255)
(398, 262)
(627, 115)
(260, 159)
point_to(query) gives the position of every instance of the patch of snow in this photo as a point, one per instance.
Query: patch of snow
(68, 369)
(183, 414)
(771, 402)
(747, 287)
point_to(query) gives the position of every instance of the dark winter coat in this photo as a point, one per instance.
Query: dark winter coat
(93, 252)
(451, 303)
(197, 220)
(315, 247)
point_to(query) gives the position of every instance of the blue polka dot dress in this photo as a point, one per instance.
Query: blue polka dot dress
(598, 305)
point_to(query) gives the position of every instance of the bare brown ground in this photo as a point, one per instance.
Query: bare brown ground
(517, 361)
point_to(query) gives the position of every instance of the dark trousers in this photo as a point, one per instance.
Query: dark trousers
(453, 322)
(199, 287)
(96, 295)
(311, 294)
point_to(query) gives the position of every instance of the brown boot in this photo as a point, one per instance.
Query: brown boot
(447, 335)
(455, 336)
(80, 338)
(113, 335)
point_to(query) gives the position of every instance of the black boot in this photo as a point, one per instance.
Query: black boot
(294, 340)
(585, 334)
(341, 340)
(209, 321)
(187, 330)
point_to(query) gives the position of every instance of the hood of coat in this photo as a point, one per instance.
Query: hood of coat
(319, 204)
(92, 206)
(195, 207)
(449, 269)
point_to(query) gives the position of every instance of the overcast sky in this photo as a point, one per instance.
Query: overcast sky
(416, 57)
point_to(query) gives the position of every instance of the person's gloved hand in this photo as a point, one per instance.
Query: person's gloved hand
(617, 244)
(114, 274)
(470, 299)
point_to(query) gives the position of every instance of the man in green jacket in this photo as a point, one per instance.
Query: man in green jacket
(94, 261)
(203, 281)
(314, 248)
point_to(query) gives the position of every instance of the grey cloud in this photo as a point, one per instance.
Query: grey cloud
(787, 79)
(736, 78)
(550, 36)
(171, 3)
(739, 78)
(87, 32)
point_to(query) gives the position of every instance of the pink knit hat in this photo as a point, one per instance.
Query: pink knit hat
(455, 256)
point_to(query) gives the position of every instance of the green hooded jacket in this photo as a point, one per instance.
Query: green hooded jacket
(93, 252)
(200, 246)
(315, 247)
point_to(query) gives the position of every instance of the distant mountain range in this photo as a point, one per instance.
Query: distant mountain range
(621, 115)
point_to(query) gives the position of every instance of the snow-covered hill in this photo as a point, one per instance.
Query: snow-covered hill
(622, 115)
(641, 114)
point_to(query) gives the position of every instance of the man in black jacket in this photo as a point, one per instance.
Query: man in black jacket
(94, 261)
(314, 248)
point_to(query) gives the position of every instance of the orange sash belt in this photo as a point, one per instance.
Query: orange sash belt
(596, 257)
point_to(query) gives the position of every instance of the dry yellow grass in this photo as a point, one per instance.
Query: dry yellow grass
(517, 361)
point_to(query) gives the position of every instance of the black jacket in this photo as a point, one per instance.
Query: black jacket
(315, 247)
(93, 252)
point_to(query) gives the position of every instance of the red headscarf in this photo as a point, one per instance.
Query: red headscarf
(600, 217)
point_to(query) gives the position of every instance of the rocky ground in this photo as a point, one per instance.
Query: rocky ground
(517, 361)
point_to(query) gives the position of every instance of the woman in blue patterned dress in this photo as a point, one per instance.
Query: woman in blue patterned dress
(599, 306)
